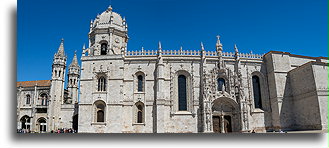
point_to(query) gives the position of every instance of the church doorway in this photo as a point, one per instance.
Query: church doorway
(42, 125)
(222, 127)
(226, 116)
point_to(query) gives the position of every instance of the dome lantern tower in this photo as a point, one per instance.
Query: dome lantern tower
(108, 34)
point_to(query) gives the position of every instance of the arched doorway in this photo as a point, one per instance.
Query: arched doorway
(25, 122)
(42, 125)
(226, 116)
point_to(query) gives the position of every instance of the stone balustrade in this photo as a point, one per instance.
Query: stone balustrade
(191, 53)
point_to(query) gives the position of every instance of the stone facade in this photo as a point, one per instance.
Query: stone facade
(180, 91)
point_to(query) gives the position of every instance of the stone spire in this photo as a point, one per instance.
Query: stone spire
(219, 45)
(202, 47)
(219, 49)
(110, 8)
(60, 51)
(74, 60)
(236, 51)
(159, 48)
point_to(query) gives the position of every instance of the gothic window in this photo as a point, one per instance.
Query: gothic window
(257, 92)
(55, 73)
(100, 111)
(25, 122)
(182, 93)
(59, 73)
(101, 84)
(44, 98)
(28, 99)
(104, 49)
(220, 83)
(140, 112)
(140, 83)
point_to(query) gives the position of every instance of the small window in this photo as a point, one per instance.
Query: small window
(182, 93)
(140, 83)
(100, 116)
(104, 49)
(102, 84)
(99, 111)
(220, 84)
(44, 99)
(28, 99)
(139, 114)
(257, 92)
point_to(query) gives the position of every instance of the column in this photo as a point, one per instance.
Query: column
(222, 128)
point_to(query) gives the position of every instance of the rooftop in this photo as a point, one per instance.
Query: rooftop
(33, 83)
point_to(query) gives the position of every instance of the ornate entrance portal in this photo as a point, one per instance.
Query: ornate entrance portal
(226, 117)
(222, 127)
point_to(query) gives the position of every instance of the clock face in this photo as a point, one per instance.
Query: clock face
(117, 40)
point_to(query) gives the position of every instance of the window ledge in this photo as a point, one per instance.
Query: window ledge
(183, 113)
(139, 93)
(98, 123)
(139, 124)
(258, 110)
(99, 92)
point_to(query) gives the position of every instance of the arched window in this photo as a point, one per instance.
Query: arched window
(104, 49)
(102, 84)
(55, 73)
(100, 111)
(25, 122)
(182, 93)
(140, 83)
(28, 99)
(59, 73)
(140, 113)
(42, 125)
(257, 92)
(100, 116)
(220, 84)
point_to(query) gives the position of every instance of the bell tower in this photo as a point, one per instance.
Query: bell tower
(73, 80)
(57, 87)
(108, 34)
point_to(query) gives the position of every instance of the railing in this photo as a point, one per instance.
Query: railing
(190, 53)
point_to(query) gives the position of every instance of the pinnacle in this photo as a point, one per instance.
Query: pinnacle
(160, 48)
(236, 48)
(60, 51)
(74, 60)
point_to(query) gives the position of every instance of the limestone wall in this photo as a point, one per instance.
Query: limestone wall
(310, 109)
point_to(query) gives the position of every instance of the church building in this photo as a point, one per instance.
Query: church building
(116, 90)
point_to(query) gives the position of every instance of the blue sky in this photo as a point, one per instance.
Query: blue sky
(295, 26)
